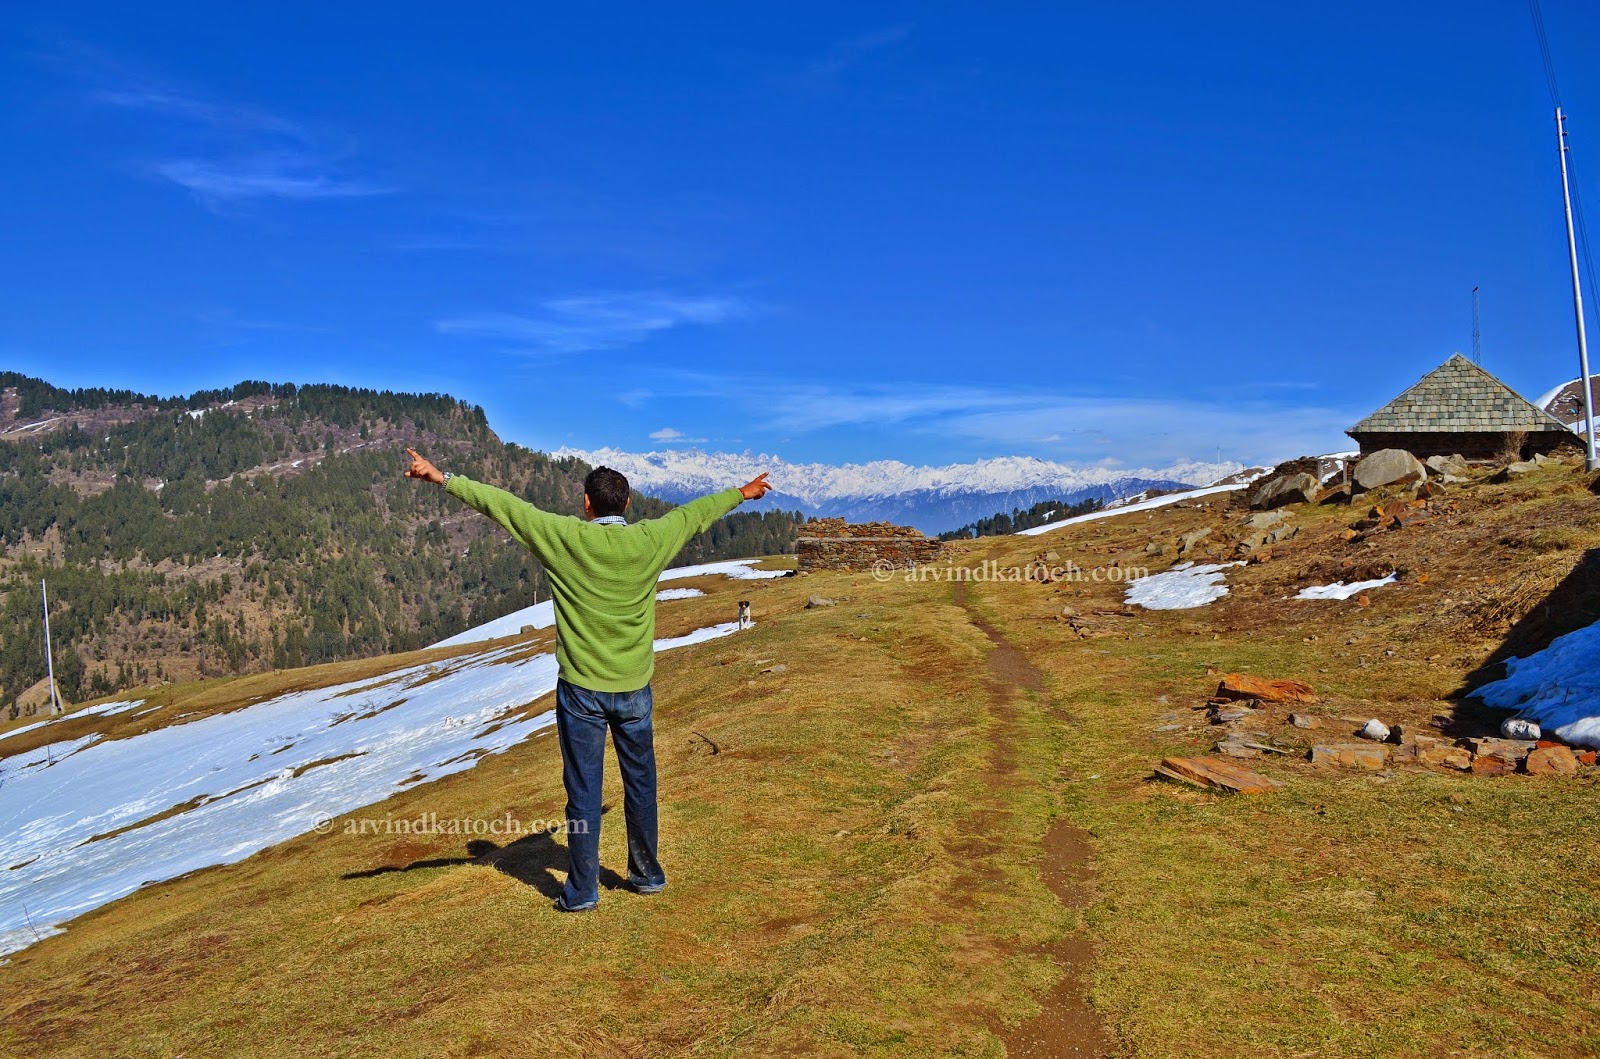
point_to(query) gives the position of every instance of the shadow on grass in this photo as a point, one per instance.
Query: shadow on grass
(537, 860)
(1571, 605)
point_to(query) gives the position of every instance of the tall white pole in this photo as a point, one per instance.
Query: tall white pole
(1590, 461)
(49, 656)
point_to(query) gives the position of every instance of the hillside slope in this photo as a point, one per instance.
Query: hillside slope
(814, 842)
(262, 527)
(878, 817)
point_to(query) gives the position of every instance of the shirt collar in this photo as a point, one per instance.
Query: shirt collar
(610, 520)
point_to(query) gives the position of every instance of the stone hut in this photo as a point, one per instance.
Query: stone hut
(834, 544)
(1460, 408)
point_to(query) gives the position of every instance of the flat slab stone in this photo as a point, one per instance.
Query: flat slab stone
(1350, 755)
(1216, 774)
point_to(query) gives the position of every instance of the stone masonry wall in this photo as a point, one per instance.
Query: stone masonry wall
(1474, 446)
(834, 544)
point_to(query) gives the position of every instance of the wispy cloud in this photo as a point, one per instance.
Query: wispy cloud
(825, 71)
(998, 420)
(196, 109)
(228, 320)
(262, 178)
(669, 436)
(579, 323)
(226, 152)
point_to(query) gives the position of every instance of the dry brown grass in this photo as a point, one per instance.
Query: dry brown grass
(812, 864)
(856, 871)
(1419, 913)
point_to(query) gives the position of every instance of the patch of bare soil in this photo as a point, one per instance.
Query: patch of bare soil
(1067, 1025)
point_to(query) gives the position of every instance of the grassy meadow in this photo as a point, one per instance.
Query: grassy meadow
(864, 812)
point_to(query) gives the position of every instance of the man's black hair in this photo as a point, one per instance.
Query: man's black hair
(607, 491)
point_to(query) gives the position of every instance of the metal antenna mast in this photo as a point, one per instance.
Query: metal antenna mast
(1590, 461)
(1477, 337)
(49, 656)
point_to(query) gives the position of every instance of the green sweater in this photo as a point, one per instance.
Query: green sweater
(602, 577)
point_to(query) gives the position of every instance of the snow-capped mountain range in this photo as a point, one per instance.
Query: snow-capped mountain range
(933, 499)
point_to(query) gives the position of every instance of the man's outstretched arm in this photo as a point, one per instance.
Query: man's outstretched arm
(684, 523)
(529, 525)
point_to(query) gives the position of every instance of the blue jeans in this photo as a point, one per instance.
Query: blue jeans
(582, 718)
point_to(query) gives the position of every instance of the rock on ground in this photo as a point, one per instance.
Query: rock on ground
(1245, 686)
(1552, 761)
(1286, 489)
(1216, 773)
(1516, 470)
(1489, 765)
(1264, 520)
(1375, 730)
(1388, 467)
(1187, 542)
(1350, 755)
(1444, 756)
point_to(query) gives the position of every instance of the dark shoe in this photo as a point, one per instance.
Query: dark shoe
(560, 905)
(647, 888)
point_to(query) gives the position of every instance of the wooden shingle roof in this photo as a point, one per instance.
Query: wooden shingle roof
(1458, 396)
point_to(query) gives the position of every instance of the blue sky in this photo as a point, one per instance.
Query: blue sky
(835, 232)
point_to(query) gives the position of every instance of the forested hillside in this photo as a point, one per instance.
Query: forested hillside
(1019, 519)
(265, 526)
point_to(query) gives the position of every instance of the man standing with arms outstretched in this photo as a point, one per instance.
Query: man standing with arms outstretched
(602, 574)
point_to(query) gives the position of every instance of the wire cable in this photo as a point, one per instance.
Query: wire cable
(1544, 51)
(1572, 179)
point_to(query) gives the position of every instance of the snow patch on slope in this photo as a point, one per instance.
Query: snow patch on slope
(543, 615)
(1183, 587)
(1128, 509)
(1559, 687)
(104, 709)
(1340, 590)
(79, 821)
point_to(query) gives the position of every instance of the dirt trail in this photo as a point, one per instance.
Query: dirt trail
(1067, 1026)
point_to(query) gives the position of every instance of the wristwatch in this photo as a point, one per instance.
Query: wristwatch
(447, 476)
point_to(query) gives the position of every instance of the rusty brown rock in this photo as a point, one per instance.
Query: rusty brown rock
(1552, 761)
(1215, 773)
(1245, 686)
(1446, 757)
(1490, 765)
(1350, 755)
